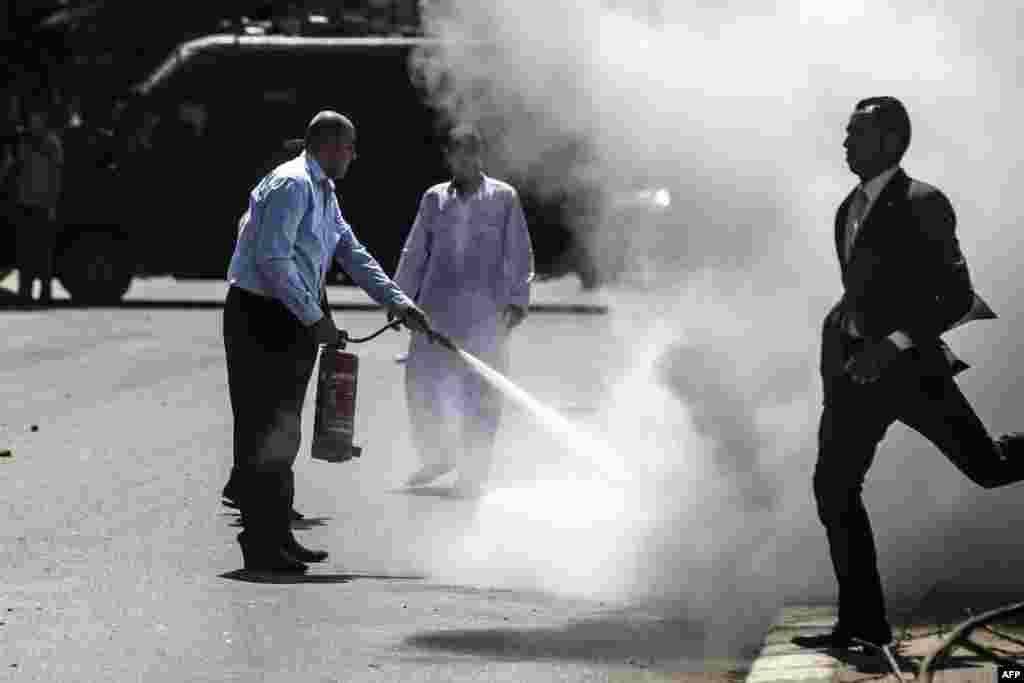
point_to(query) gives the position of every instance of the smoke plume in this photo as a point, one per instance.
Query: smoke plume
(738, 109)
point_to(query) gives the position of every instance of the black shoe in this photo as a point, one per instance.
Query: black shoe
(262, 557)
(840, 640)
(1011, 446)
(1010, 451)
(301, 552)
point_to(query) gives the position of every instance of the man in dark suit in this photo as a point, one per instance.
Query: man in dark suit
(905, 283)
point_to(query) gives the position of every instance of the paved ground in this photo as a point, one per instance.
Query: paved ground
(119, 564)
(920, 629)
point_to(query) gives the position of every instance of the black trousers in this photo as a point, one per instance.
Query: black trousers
(853, 422)
(36, 241)
(270, 359)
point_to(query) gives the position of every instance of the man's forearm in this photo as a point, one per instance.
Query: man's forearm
(366, 272)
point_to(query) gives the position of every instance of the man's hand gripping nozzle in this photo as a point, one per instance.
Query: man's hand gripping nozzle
(420, 324)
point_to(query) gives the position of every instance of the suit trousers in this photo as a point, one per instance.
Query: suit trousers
(854, 420)
(270, 359)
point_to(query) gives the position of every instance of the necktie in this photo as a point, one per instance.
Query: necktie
(854, 216)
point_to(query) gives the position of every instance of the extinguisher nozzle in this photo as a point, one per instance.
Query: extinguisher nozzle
(443, 340)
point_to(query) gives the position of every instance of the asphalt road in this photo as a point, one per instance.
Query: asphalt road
(119, 562)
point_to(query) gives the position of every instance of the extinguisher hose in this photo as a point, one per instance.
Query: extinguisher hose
(435, 336)
(360, 340)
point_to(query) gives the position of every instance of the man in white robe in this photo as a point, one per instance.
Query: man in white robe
(469, 262)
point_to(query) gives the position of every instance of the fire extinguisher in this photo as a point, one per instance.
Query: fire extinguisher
(334, 419)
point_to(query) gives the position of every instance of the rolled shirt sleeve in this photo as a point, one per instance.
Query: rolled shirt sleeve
(518, 264)
(353, 257)
(413, 263)
(280, 213)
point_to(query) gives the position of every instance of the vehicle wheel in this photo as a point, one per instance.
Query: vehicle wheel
(95, 269)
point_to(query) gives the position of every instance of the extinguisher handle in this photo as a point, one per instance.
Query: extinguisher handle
(342, 341)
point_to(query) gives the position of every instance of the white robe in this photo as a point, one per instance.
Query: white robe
(465, 260)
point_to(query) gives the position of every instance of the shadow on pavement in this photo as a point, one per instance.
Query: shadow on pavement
(615, 638)
(310, 522)
(435, 491)
(301, 524)
(274, 577)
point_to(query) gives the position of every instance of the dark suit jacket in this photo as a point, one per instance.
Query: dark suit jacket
(905, 272)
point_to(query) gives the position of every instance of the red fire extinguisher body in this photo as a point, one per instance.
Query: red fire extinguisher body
(334, 422)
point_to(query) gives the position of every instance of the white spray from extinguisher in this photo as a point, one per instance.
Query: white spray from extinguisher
(606, 461)
(597, 508)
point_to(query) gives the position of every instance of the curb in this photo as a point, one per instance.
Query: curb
(574, 309)
(191, 304)
(779, 660)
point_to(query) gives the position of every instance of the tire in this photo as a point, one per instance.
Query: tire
(95, 269)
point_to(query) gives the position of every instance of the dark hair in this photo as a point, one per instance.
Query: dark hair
(890, 115)
(466, 136)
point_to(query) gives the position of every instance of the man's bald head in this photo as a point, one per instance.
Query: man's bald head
(330, 139)
(329, 126)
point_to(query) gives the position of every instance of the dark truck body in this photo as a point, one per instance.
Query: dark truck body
(174, 210)
(93, 256)
(260, 92)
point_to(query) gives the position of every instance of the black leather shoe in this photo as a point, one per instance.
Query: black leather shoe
(260, 557)
(840, 640)
(301, 552)
(1011, 446)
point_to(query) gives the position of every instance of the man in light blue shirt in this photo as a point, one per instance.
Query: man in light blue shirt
(290, 232)
(275, 316)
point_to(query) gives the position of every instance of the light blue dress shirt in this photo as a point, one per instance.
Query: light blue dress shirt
(288, 235)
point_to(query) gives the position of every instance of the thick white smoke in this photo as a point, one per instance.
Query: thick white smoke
(739, 109)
